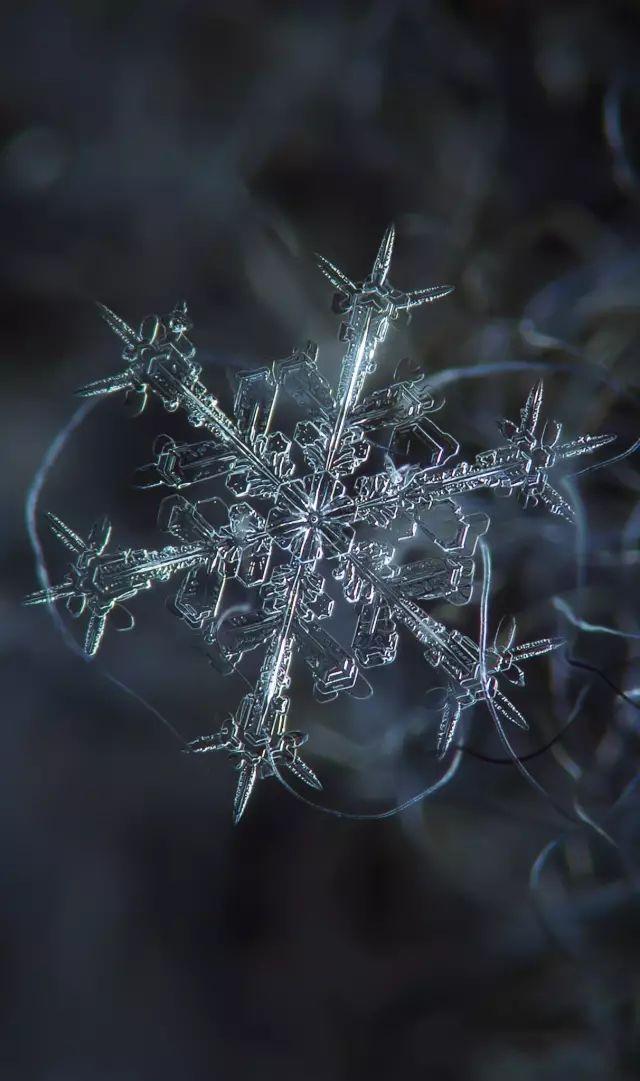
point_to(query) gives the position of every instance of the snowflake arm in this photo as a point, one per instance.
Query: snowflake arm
(450, 651)
(98, 582)
(160, 358)
(522, 465)
(256, 736)
(369, 308)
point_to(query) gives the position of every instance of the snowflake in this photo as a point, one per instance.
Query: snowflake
(341, 498)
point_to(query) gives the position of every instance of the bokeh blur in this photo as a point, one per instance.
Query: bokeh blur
(151, 151)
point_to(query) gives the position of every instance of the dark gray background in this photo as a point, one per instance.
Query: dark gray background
(151, 151)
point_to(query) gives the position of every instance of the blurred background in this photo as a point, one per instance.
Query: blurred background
(154, 151)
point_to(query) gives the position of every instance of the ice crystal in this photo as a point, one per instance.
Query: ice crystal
(341, 496)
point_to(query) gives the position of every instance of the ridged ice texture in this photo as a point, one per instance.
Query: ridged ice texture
(337, 496)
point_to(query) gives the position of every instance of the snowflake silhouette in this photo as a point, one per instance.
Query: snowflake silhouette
(343, 496)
